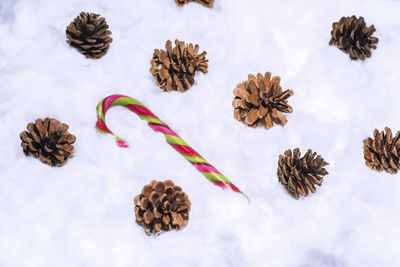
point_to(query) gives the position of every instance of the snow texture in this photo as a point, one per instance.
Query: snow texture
(82, 214)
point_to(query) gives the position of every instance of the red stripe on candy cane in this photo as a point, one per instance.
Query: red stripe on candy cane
(140, 110)
(107, 102)
(162, 129)
(224, 184)
(185, 150)
(205, 168)
(100, 125)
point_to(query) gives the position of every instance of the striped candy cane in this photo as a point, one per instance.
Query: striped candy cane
(172, 138)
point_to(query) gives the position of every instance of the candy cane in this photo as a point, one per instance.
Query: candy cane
(172, 138)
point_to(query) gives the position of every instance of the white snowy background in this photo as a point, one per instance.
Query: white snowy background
(82, 214)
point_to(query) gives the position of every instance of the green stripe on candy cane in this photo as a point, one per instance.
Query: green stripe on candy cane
(175, 140)
(122, 101)
(195, 159)
(100, 113)
(215, 176)
(151, 119)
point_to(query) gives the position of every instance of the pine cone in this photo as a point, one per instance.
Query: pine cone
(382, 152)
(48, 140)
(175, 68)
(206, 3)
(162, 206)
(298, 175)
(89, 34)
(261, 101)
(353, 37)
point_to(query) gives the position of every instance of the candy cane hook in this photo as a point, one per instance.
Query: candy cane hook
(202, 165)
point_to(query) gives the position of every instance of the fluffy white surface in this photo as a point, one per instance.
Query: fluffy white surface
(82, 214)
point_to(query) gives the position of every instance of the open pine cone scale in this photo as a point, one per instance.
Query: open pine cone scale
(206, 3)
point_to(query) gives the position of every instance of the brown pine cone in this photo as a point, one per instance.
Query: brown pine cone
(261, 101)
(174, 69)
(89, 34)
(48, 140)
(298, 175)
(206, 3)
(382, 152)
(353, 37)
(162, 206)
